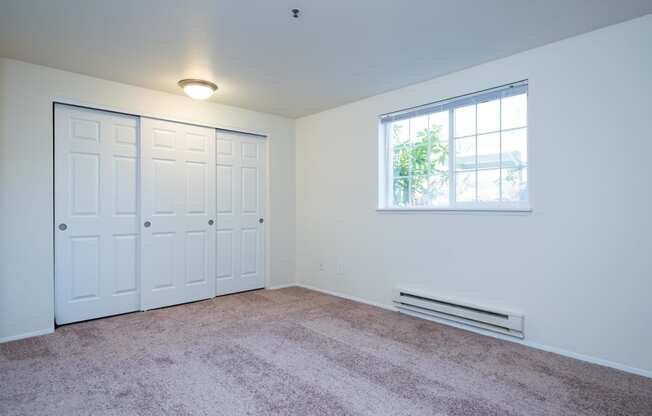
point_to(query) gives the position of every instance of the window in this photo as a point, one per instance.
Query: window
(469, 152)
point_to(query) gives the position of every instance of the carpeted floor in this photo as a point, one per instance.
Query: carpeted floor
(298, 352)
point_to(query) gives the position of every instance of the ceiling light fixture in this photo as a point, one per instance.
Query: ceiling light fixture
(198, 89)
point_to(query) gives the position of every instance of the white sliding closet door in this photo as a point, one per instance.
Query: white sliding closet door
(177, 216)
(96, 214)
(240, 206)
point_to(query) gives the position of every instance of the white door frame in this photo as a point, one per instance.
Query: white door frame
(126, 111)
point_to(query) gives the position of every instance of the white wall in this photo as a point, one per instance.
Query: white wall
(579, 266)
(26, 248)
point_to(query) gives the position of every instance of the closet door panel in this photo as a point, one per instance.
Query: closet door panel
(178, 201)
(240, 207)
(96, 224)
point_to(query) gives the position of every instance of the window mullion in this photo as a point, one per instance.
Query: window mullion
(476, 153)
(451, 159)
(428, 155)
(389, 168)
(500, 149)
(410, 164)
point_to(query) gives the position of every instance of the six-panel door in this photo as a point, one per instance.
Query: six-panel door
(178, 213)
(240, 207)
(96, 214)
(151, 213)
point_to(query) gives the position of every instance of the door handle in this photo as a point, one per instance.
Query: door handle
(147, 224)
(63, 227)
(211, 222)
(260, 220)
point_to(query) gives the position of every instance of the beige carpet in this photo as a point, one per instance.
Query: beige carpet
(297, 352)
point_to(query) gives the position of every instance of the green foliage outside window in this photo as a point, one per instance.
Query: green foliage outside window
(420, 167)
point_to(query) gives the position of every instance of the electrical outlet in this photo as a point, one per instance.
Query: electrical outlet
(321, 267)
(340, 268)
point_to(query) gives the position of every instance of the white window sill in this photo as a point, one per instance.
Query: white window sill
(519, 210)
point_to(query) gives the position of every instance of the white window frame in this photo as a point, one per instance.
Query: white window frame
(385, 178)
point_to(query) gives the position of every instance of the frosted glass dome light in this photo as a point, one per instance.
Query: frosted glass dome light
(197, 88)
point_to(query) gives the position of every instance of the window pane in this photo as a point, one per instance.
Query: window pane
(465, 153)
(439, 129)
(465, 121)
(439, 156)
(400, 131)
(430, 190)
(401, 160)
(514, 112)
(465, 186)
(489, 116)
(489, 151)
(401, 192)
(514, 148)
(514, 185)
(421, 164)
(419, 129)
(430, 174)
(489, 185)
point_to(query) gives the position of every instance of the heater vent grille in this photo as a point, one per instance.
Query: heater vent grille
(431, 307)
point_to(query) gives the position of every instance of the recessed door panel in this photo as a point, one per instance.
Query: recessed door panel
(164, 189)
(240, 202)
(96, 230)
(178, 202)
(85, 270)
(125, 261)
(249, 251)
(126, 169)
(196, 257)
(196, 187)
(164, 139)
(163, 270)
(85, 184)
(224, 254)
(125, 135)
(224, 147)
(224, 189)
(249, 151)
(84, 129)
(250, 190)
(196, 142)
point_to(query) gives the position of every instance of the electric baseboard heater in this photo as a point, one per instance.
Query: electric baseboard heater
(430, 307)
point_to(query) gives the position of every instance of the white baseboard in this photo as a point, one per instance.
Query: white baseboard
(353, 298)
(27, 335)
(590, 359)
(281, 286)
(535, 345)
